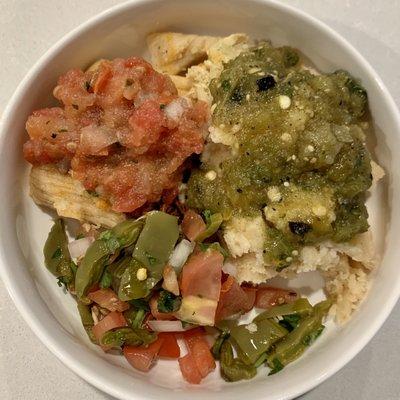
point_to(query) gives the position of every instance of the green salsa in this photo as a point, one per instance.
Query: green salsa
(297, 150)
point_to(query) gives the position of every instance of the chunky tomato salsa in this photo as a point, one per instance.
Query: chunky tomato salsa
(122, 130)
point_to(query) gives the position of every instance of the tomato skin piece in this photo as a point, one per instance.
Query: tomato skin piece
(189, 369)
(170, 347)
(268, 297)
(234, 299)
(142, 358)
(192, 225)
(108, 299)
(112, 320)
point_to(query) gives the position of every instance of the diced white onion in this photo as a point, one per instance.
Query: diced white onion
(168, 326)
(94, 139)
(180, 254)
(78, 248)
(175, 109)
(229, 268)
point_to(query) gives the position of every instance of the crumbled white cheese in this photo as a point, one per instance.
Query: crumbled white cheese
(211, 175)
(319, 210)
(284, 102)
(254, 70)
(310, 148)
(247, 97)
(243, 235)
(274, 194)
(289, 259)
(295, 253)
(286, 137)
(286, 183)
(141, 274)
(236, 128)
(252, 328)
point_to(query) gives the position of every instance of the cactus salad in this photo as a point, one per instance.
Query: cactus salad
(250, 160)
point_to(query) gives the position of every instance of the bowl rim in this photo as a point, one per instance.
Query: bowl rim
(22, 304)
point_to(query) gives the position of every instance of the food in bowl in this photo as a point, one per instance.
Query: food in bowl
(196, 180)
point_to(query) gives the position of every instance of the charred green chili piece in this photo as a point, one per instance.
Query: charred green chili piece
(213, 222)
(252, 340)
(234, 369)
(216, 348)
(98, 254)
(135, 317)
(133, 337)
(56, 254)
(87, 320)
(300, 306)
(294, 344)
(116, 270)
(152, 250)
(131, 287)
(156, 241)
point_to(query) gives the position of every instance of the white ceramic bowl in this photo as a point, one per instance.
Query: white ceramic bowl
(121, 31)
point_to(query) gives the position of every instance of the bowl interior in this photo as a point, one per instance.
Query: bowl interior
(24, 226)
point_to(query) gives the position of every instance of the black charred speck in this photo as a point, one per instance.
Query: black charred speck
(237, 95)
(265, 83)
(299, 228)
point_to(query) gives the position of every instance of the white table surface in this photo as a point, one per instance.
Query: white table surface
(27, 28)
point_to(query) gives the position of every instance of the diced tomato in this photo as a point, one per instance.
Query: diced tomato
(103, 75)
(193, 336)
(122, 101)
(107, 298)
(189, 369)
(203, 358)
(234, 299)
(112, 320)
(251, 293)
(95, 287)
(170, 347)
(141, 357)
(201, 275)
(192, 225)
(200, 351)
(157, 314)
(268, 297)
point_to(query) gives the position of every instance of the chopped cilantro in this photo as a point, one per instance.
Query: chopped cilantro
(168, 302)
(277, 366)
(152, 260)
(309, 339)
(57, 254)
(106, 279)
(207, 216)
(290, 322)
